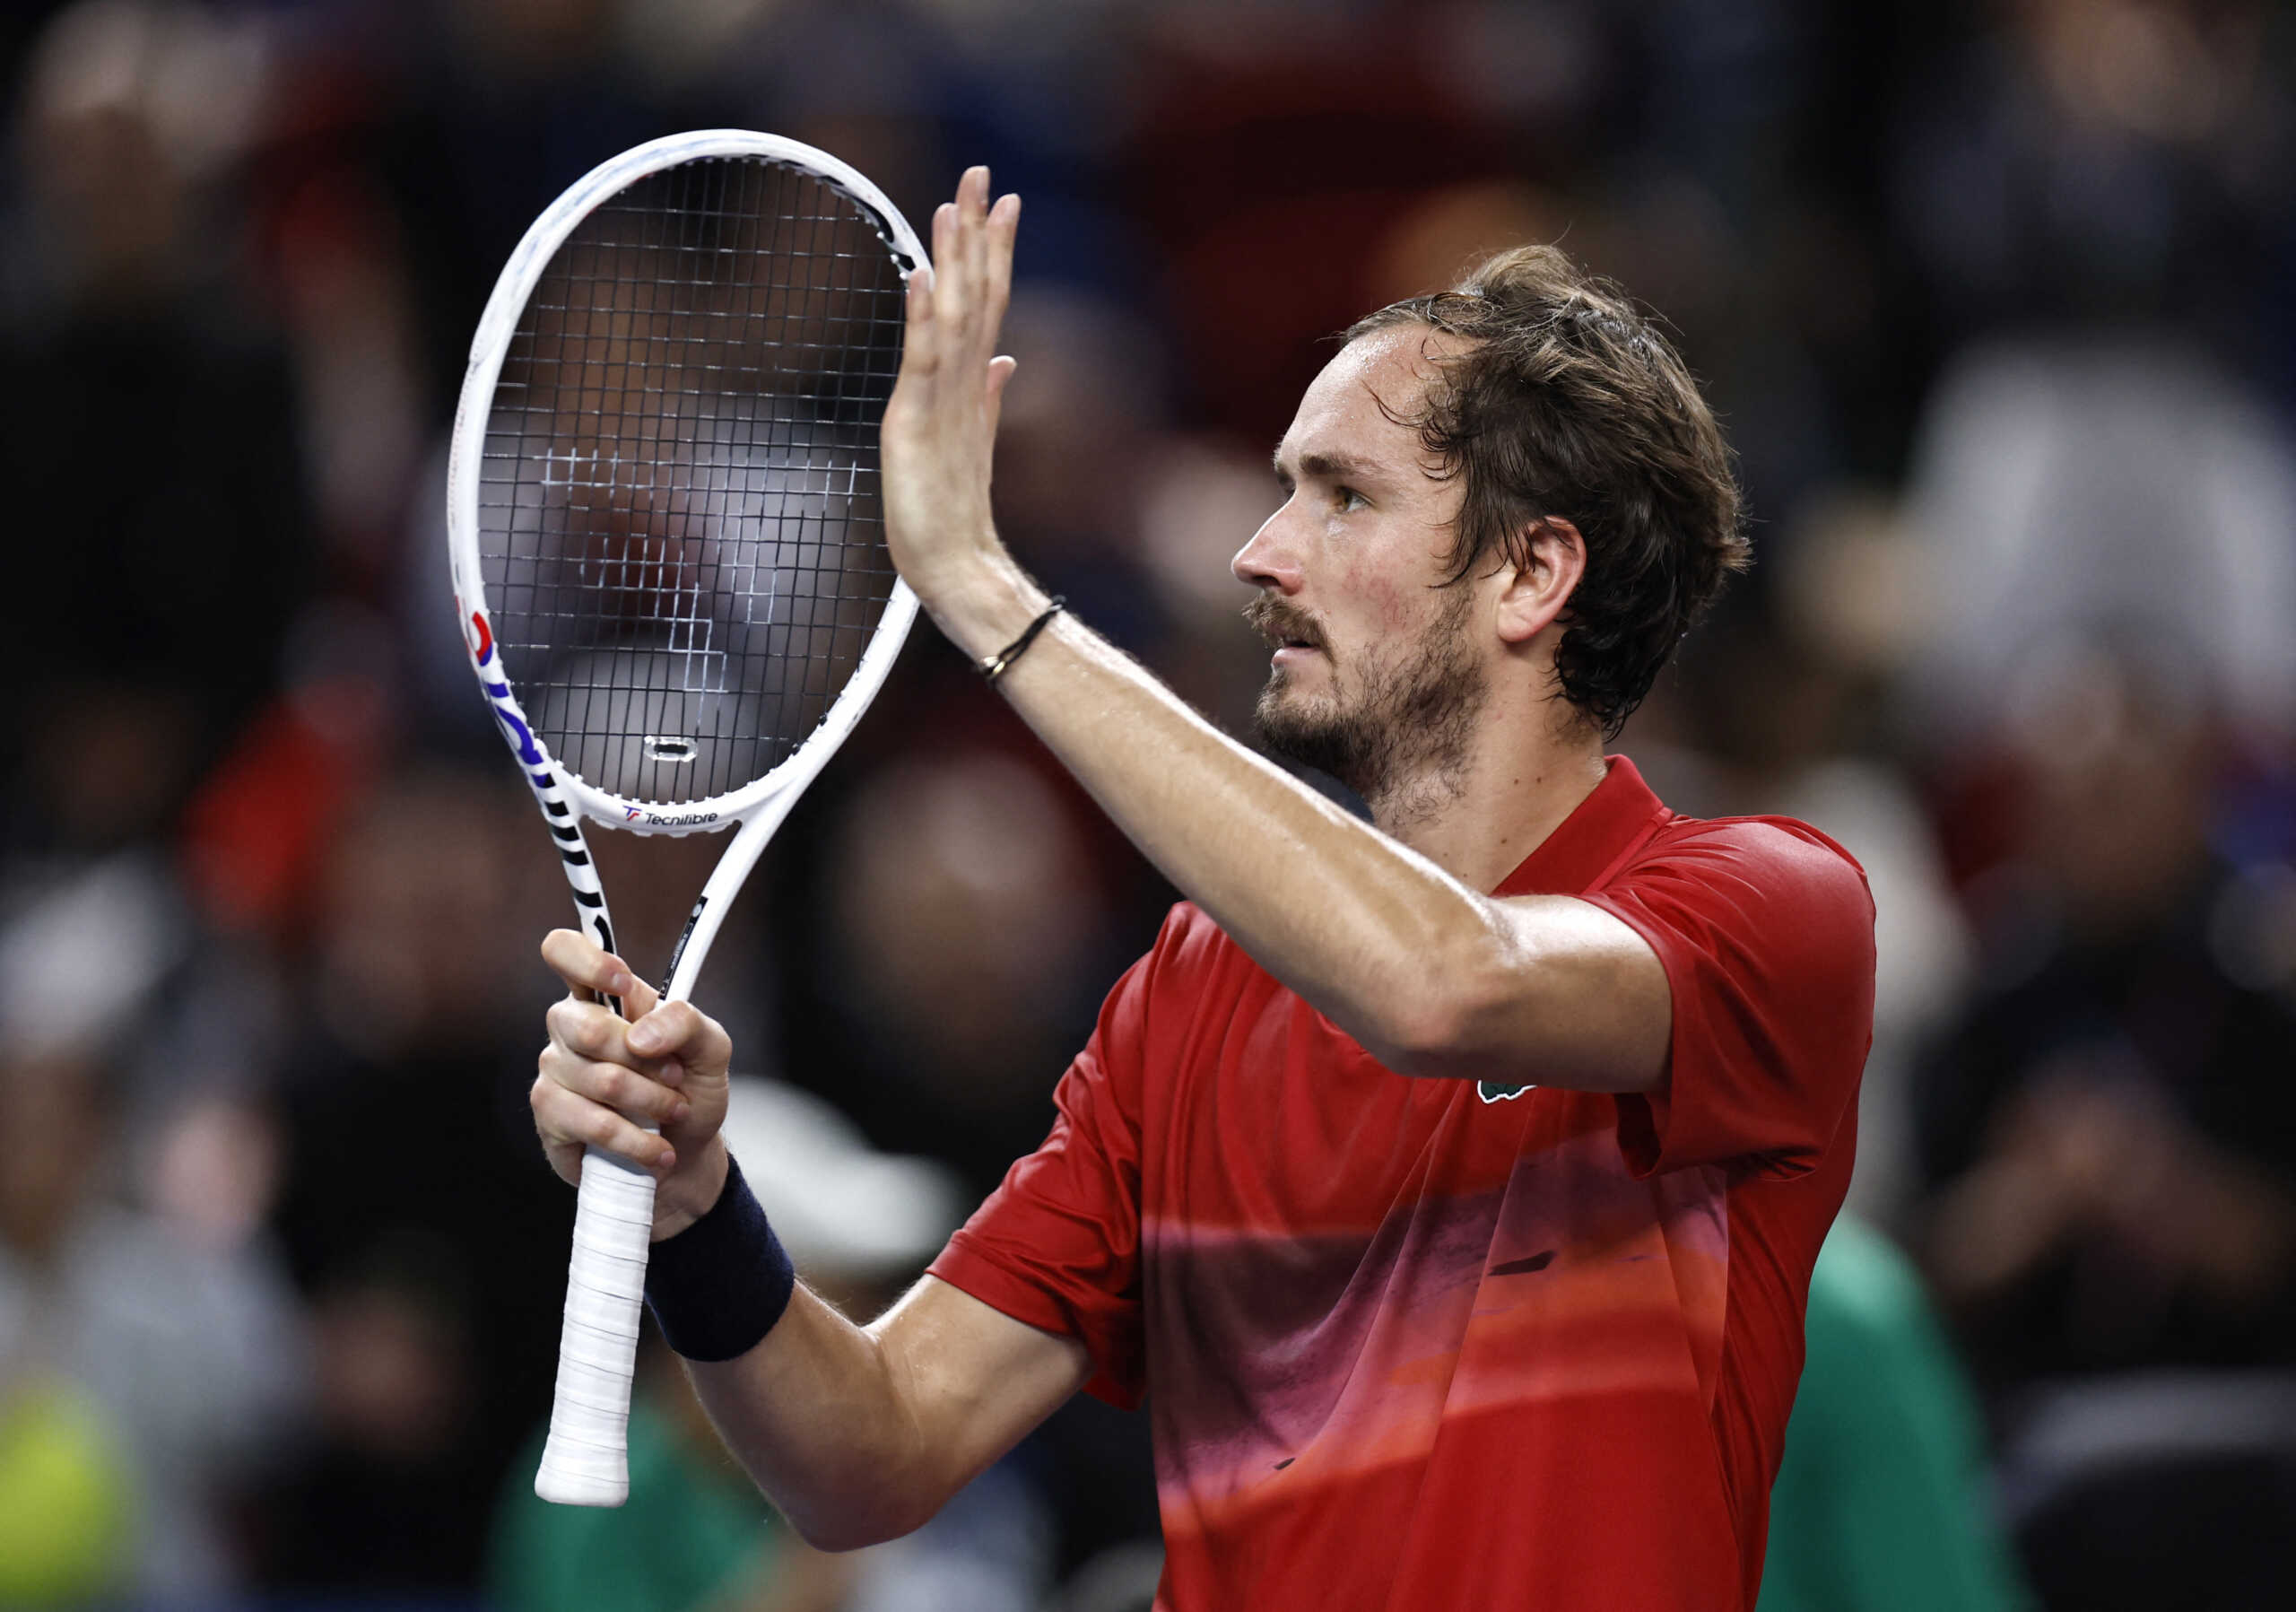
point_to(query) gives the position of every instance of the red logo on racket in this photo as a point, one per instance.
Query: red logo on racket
(482, 650)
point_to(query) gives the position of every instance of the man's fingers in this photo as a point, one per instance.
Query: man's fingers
(1000, 373)
(974, 193)
(640, 1000)
(617, 1086)
(998, 231)
(960, 298)
(949, 263)
(965, 248)
(584, 965)
(681, 1031)
(562, 1117)
(591, 1031)
(920, 353)
(1003, 227)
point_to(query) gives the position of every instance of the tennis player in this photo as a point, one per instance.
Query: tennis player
(1447, 1189)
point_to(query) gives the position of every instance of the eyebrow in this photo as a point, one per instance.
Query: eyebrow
(1328, 467)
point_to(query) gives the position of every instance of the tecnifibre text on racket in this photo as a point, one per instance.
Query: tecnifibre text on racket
(669, 561)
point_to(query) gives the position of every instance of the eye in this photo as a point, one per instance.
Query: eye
(1349, 499)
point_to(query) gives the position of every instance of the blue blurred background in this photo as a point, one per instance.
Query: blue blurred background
(1998, 303)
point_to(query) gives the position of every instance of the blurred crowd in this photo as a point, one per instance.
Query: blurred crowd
(1997, 300)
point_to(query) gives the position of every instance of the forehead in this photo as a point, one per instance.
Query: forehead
(1346, 409)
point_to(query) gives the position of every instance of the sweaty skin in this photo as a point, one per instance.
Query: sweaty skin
(860, 1433)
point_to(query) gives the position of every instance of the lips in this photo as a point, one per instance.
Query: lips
(1282, 626)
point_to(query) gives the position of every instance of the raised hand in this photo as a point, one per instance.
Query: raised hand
(604, 1077)
(940, 425)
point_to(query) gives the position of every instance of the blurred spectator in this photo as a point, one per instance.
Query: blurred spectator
(383, 1495)
(435, 1263)
(1072, 450)
(2111, 1141)
(2113, 1145)
(147, 433)
(66, 1508)
(2157, 1488)
(151, 1361)
(2108, 161)
(2103, 486)
(1200, 499)
(256, 831)
(1273, 145)
(451, 124)
(966, 938)
(1882, 1504)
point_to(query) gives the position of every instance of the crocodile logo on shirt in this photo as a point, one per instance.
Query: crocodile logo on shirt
(1493, 1091)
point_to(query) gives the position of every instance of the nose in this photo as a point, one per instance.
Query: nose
(1271, 559)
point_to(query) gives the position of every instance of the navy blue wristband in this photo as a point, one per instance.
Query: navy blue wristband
(716, 1287)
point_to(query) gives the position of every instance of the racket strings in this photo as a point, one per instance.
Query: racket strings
(679, 512)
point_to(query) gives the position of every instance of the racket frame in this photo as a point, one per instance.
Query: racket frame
(585, 1461)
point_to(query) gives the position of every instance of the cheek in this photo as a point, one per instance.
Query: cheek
(1389, 605)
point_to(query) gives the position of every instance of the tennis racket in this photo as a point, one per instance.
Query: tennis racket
(669, 563)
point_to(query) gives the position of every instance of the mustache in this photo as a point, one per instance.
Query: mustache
(1280, 621)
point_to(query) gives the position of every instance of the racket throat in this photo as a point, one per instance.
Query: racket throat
(677, 952)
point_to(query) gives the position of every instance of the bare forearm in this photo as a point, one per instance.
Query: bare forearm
(859, 1433)
(1355, 923)
(818, 1416)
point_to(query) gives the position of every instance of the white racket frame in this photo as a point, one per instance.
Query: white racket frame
(585, 1459)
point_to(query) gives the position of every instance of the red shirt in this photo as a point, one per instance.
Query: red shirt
(1415, 1344)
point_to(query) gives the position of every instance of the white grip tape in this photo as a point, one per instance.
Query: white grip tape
(585, 1461)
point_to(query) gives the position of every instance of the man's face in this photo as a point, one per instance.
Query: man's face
(1377, 676)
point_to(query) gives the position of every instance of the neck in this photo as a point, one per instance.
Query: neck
(1479, 815)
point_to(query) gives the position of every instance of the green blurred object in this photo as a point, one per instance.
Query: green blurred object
(66, 1514)
(1879, 1503)
(693, 1531)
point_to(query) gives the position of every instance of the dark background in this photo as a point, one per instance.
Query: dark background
(1998, 303)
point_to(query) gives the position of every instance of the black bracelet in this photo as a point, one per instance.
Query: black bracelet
(717, 1287)
(998, 664)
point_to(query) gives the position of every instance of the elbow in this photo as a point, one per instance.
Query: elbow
(1432, 1041)
(1437, 1023)
(1575, 1000)
(866, 1520)
(843, 1534)
(834, 1534)
(852, 1503)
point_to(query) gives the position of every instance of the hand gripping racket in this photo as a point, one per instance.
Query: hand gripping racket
(669, 561)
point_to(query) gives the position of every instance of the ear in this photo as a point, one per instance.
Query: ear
(1534, 595)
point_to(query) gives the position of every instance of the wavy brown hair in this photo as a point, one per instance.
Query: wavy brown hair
(1567, 402)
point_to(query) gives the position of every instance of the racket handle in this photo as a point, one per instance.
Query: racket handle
(586, 1458)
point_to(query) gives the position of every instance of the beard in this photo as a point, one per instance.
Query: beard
(1395, 727)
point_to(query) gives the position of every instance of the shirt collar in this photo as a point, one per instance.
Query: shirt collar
(1620, 813)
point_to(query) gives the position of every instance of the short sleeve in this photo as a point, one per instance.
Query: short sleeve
(1766, 932)
(1057, 1244)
